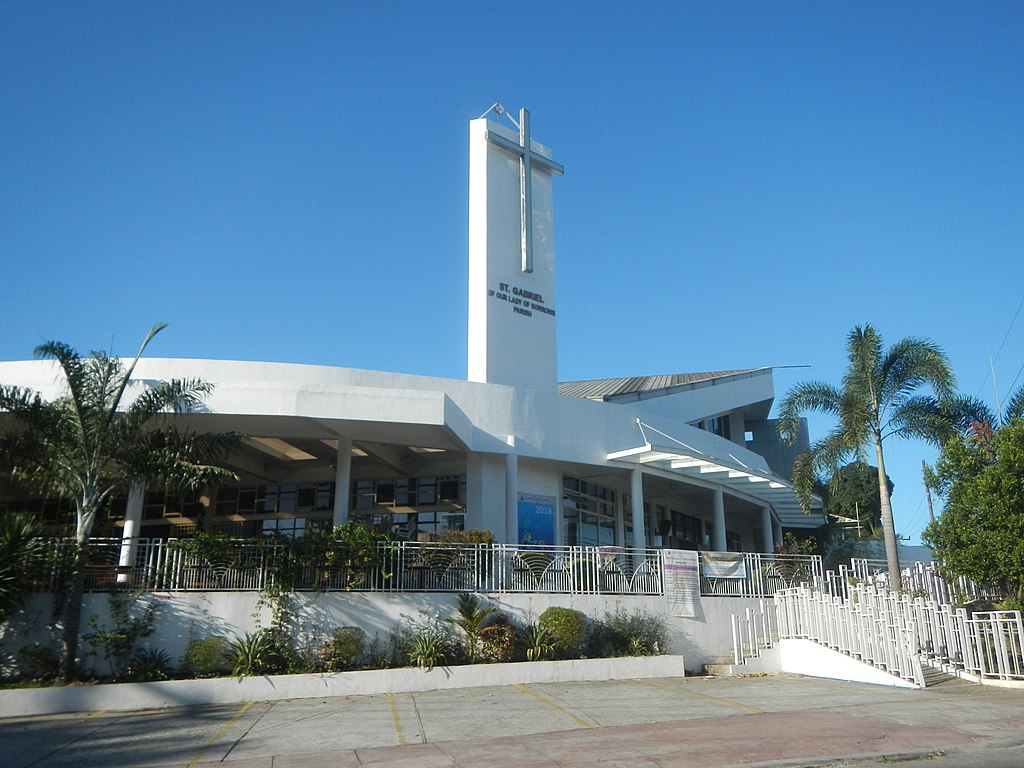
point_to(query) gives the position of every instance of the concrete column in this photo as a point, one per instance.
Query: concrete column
(485, 492)
(768, 543)
(511, 493)
(342, 480)
(620, 518)
(129, 535)
(637, 500)
(737, 427)
(777, 531)
(718, 538)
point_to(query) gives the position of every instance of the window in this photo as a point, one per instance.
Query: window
(588, 513)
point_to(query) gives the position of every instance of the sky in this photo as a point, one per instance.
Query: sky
(745, 182)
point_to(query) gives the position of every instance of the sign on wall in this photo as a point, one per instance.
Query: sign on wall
(536, 519)
(682, 582)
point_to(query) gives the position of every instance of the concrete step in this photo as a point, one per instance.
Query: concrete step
(934, 677)
(720, 670)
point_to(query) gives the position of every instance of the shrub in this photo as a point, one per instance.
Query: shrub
(258, 653)
(635, 634)
(129, 626)
(538, 642)
(344, 649)
(38, 662)
(498, 642)
(425, 644)
(472, 536)
(428, 648)
(567, 627)
(208, 657)
(471, 617)
(149, 664)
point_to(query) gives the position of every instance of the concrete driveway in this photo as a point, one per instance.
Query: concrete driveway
(663, 722)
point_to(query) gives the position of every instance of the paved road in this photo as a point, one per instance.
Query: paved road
(668, 722)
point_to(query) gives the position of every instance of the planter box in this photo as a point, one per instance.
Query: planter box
(230, 690)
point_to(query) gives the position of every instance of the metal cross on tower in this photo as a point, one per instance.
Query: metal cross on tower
(527, 157)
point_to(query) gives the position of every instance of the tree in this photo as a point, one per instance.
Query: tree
(906, 391)
(20, 553)
(980, 533)
(852, 493)
(92, 444)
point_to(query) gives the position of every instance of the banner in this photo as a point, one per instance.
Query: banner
(682, 582)
(536, 519)
(724, 565)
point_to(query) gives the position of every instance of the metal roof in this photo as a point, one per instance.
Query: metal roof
(610, 389)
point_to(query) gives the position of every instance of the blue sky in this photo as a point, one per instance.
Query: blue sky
(745, 182)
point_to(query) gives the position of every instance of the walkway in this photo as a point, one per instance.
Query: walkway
(633, 724)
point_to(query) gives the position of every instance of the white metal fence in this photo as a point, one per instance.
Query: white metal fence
(872, 626)
(898, 632)
(920, 580)
(407, 566)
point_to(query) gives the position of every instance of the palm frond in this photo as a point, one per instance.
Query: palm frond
(863, 349)
(921, 418)
(911, 364)
(964, 410)
(177, 460)
(1014, 407)
(808, 396)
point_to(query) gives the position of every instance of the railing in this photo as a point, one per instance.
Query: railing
(898, 632)
(407, 566)
(753, 631)
(756, 574)
(921, 580)
(870, 627)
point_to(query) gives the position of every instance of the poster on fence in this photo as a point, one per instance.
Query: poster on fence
(682, 582)
(724, 565)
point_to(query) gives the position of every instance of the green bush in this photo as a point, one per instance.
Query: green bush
(538, 642)
(428, 647)
(208, 657)
(633, 634)
(263, 652)
(37, 662)
(472, 614)
(149, 664)
(344, 649)
(568, 628)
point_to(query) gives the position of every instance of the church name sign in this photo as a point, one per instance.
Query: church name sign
(522, 301)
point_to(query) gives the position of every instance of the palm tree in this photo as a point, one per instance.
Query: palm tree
(90, 445)
(20, 553)
(906, 391)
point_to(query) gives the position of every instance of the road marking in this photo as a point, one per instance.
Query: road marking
(220, 734)
(699, 695)
(394, 718)
(554, 706)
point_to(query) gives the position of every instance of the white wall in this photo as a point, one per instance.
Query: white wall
(184, 616)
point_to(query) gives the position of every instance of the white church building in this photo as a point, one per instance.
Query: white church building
(684, 461)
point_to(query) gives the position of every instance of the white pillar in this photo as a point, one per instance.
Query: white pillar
(130, 532)
(511, 493)
(342, 480)
(767, 530)
(719, 531)
(637, 492)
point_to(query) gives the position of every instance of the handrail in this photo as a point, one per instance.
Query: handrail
(165, 565)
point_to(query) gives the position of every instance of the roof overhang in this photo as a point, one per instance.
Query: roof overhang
(751, 483)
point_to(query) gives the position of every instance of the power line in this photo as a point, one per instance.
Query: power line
(1001, 345)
